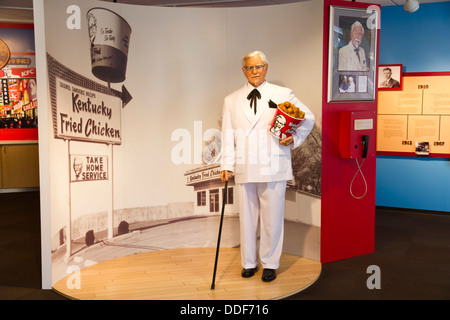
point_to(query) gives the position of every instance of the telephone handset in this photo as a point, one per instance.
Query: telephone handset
(365, 143)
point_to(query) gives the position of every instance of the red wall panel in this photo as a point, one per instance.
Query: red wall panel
(347, 223)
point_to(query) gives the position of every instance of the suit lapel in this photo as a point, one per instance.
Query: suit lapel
(245, 106)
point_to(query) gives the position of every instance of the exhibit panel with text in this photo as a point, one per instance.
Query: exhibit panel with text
(417, 118)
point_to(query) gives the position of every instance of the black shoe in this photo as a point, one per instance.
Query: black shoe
(268, 275)
(248, 273)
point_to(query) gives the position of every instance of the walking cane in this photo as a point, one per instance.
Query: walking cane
(220, 233)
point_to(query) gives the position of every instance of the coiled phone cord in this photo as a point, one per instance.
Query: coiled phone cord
(364, 179)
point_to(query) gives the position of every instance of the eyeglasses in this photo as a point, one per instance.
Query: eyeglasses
(257, 68)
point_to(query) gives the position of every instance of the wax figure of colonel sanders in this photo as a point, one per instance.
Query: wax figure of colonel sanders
(260, 163)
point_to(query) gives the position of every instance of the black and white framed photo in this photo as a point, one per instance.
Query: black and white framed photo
(352, 54)
(422, 148)
(390, 77)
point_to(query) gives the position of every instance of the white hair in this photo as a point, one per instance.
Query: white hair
(252, 54)
(357, 24)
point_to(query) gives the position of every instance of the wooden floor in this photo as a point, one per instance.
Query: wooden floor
(179, 274)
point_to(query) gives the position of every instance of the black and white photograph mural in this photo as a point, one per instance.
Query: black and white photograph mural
(133, 113)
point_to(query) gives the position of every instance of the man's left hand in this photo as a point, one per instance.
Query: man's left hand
(287, 141)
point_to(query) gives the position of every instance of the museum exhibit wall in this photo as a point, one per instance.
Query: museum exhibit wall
(414, 182)
(152, 168)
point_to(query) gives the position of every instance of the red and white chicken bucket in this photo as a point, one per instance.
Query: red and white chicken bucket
(283, 124)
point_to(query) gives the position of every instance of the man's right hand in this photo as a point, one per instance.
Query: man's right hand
(225, 175)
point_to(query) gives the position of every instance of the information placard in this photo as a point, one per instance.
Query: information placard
(417, 116)
(88, 167)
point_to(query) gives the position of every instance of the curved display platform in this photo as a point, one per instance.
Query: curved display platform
(186, 274)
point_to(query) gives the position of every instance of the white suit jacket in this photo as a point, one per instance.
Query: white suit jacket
(248, 149)
(348, 60)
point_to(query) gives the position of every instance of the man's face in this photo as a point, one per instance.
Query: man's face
(255, 76)
(387, 74)
(357, 35)
(77, 166)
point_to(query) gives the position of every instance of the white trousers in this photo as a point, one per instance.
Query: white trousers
(263, 203)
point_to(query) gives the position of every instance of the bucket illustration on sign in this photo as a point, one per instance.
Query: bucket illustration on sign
(109, 35)
(285, 120)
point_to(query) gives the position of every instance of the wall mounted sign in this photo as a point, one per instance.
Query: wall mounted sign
(416, 120)
(88, 167)
(5, 54)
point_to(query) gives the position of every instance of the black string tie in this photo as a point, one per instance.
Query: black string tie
(252, 97)
(357, 54)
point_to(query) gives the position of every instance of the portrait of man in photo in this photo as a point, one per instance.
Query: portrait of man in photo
(386, 79)
(352, 57)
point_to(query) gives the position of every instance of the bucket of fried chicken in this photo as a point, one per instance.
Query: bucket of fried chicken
(287, 118)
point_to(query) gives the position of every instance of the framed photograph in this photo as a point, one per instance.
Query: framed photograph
(422, 148)
(352, 56)
(390, 77)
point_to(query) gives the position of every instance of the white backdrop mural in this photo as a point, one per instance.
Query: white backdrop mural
(132, 98)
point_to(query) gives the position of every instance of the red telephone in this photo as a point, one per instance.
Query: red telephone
(355, 129)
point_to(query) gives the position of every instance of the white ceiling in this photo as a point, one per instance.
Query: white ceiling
(21, 11)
